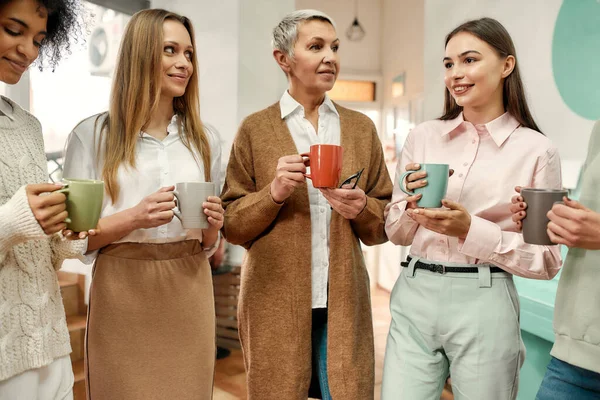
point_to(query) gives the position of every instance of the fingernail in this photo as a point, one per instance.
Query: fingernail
(418, 165)
(416, 211)
(68, 234)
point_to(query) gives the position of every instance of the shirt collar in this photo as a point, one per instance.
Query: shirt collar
(6, 109)
(172, 129)
(289, 105)
(499, 129)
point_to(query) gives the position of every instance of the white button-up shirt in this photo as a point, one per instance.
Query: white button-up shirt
(304, 136)
(157, 164)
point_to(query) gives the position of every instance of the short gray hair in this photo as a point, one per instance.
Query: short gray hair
(285, 34)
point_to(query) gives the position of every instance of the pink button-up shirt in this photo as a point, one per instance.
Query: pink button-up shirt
(489, 161)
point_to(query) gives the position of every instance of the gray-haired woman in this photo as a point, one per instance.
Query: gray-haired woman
(305, 312)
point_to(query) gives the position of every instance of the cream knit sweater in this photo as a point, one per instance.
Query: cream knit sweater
(33, 328)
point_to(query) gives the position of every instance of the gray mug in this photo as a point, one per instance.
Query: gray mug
(539, 202)
(190, 196)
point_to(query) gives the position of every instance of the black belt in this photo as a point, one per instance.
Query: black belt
(442, 269)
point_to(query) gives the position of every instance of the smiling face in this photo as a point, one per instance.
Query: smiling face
(316, 62)
(475, 72)
(22, 30)
(177, 54)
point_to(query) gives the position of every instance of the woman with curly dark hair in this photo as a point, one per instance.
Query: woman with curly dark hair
(34, 339)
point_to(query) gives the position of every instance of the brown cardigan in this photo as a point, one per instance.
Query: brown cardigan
(275, 307)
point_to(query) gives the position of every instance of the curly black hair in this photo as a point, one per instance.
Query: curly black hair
(66, 26)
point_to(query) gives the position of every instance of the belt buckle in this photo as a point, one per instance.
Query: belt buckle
(440, 269)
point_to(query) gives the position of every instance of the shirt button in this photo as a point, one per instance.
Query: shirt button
(460, 175)
(165, 173)
(323, 236)
(322, 210)
(325, 264)
(473, 141)
(465, 164)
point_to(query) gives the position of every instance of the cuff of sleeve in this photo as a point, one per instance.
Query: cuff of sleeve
(369, 212)
(398, 225)
(482, 240)
(67, 249)
(266, 204)
(20, 223)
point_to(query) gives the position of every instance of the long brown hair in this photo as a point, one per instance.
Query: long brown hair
(493, 33)
(136, 93)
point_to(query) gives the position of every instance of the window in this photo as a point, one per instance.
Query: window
(353, 90)
(80, 86)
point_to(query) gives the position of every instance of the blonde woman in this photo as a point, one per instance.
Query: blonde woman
(151, 323)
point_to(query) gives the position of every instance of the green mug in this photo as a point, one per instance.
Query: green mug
(437, 184)
(84, 203)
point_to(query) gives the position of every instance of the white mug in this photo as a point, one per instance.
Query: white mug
(190, 196)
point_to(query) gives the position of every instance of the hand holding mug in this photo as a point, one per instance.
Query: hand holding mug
(417, 186)
(288, 176)
(518, 208)
(414, 181)
(49, 210)
(214, 211)
(69, 234)
(155, 209)
(455, 221)
(347, 201)
(574, 225)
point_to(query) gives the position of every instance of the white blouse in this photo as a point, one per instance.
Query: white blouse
(157, 164)
(305, 135)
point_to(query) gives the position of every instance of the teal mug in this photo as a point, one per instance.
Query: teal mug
(434, 192)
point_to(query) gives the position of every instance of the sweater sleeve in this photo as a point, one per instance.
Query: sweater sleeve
(63, 249)
(17, 223)
(369, 225)
(249, 210)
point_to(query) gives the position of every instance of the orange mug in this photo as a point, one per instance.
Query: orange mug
(325, 162)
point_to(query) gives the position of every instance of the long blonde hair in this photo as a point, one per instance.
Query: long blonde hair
(136, 93)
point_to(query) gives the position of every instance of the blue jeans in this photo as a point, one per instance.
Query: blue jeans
(319, 349)
(567, 382)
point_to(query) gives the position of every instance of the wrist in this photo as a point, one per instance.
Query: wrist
(133, 219)
(274, 196)
(466, 231)
(209, 236)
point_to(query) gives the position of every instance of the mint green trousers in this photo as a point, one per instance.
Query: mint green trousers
(461, 324)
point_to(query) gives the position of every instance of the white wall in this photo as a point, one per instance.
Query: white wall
(261, 81)
(402, 41)
(355, 57)
(531, 25)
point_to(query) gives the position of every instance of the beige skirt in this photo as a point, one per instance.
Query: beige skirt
(151, 323)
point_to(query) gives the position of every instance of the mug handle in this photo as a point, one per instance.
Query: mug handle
(176, 211)
(401, 182)
(65, 190)
(307, 163)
